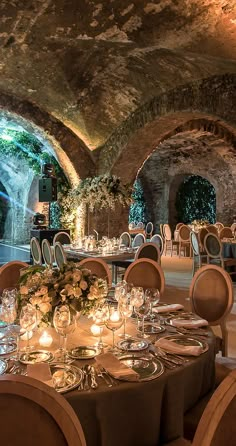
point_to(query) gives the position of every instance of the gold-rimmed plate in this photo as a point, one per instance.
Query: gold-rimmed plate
(152, 328)
(7, 347)
(36, 356)
(147, 368)
(181, 317)
(83, 352)
(65, 377)
(132, 345)
(3, 366)
(188, 341)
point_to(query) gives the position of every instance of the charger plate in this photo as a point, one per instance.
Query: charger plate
(83, 352)
(187, 341)
(152, 328)
(3, 366)
(7, 347)
(132, 345)
(147, 368)
(73, 377)
(36, 356)
(185, 316)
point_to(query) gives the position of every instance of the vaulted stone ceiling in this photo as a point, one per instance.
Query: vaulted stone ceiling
(92, 64)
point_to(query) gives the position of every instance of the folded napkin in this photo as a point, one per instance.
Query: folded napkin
(173, 347)
(116, 368)
(167, 308)
(189, 323)
(41, 372)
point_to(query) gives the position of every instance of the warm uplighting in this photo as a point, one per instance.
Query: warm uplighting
(45, 339)
(115, 317)
(96, 330)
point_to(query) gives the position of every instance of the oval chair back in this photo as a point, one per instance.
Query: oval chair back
(36, 251)
(149, 250)
(178, 226)
(219, 225)
(167, 232)
(10, 274)
(125, 239)
(213, 246)
(59, 255)
(211, 297)
(233, 228)
(98, 267)
(194, 243)
(149, 229)
(145, 273)
(226, 232)
(184, 233)
(158, 240)
(62, 237)
(47, 252)
(201, 235)
(212, 229)
(138, 240)
(41, 415)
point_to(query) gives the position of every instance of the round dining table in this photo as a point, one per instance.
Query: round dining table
(146, 413)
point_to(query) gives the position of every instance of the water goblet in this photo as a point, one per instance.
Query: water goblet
(136, 298)
(100, 315)
(64, 323)
(126, 308)
(153, 294)
(142, 311)
(113, 322)
(28, 321)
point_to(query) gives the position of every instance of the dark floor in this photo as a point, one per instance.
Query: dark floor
(9, 252)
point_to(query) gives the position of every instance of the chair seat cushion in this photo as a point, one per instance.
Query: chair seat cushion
(193, 415)
(223, 367)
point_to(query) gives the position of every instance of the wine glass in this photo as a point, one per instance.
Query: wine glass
(126, 308)
(136, 298)
(113, 322)
(64, 323)
(142, 311)
(100, 315)
(28, 321)
(120, 290)
(153, 294)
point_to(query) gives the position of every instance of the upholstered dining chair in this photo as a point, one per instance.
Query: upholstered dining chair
(138, 240)
(184, 240)
(149, 230)
(59, 255)
(10, 274)
(36, 251)
(169, 243)
(62, 237)
(149, 250)
(178, 226)
(219, 225)
(33, 413)
(47, 252)
(226, 232)
(157, 238)
(211, 297)
(214, 250)
(217, 425)
(233, 228)
(201, 236)
(198, 257)
(125, 239)
(145, 273)
(212, 229)
(98, 267)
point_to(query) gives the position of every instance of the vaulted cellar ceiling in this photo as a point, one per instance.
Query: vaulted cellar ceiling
(91, 64)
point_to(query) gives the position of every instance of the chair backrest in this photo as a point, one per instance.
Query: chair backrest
(213, 246)
(161, 230)
(47, 252)
(194, 243)
(59, 255)
(219, 225)
(98, 267)
(62, 237)
(217, 425)
(140, 225)
(41, 415)
(36, 251)
(233, 227)
(211, 294)
(125, 239)
(149, 250)
(149, 229)
(184, 233)
(178, 226)
(145, 273)
(212, 229)
(157, 238)
(166, 232)
(226, 232)
(201, 235)
(138, 240)
(10, 274)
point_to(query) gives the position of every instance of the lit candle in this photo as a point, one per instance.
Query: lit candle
(96, 330)
(115, 317)
(45, 339)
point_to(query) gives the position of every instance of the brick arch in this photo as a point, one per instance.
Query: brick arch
(70, 151)
(209, 104)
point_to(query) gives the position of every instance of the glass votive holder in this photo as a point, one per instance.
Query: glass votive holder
(96, 330)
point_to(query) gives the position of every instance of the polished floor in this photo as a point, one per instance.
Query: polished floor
(17, 252)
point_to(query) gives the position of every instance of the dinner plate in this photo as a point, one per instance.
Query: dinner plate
(188, 341)
(183, 316)
(7, 347)
(83, 352)
(65, 377)
(151, 328)
(147, 368)
(36, 356)
(134, 345)
(3, 366)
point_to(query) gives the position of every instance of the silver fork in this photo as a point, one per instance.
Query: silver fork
(104, 377)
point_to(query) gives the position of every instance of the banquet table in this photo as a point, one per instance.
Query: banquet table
(138, 414)
(107, 257)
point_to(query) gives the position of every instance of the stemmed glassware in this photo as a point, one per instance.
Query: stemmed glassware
(126, 308)
(100, 315)
(64, 323)
(136, 298)
(153, 294)
(142, 311)
(114, 321)
(28, 321)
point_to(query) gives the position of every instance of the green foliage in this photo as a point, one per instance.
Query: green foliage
(137, 211)
(196, 200)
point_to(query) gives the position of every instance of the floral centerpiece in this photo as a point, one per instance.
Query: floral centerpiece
(73, 285)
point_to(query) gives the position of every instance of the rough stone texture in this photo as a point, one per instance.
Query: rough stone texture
(189, 153)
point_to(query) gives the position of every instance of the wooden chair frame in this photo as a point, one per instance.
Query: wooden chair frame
(4, 272)
(146, 263)
(57, 236)
(58, 246)
(92, 261)
(46, 245)
(143, 246)
(128, 236)
(158, 236)
(169, 242)
(34, 242)
(139, 235)
(184, 243)
(149, 232)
